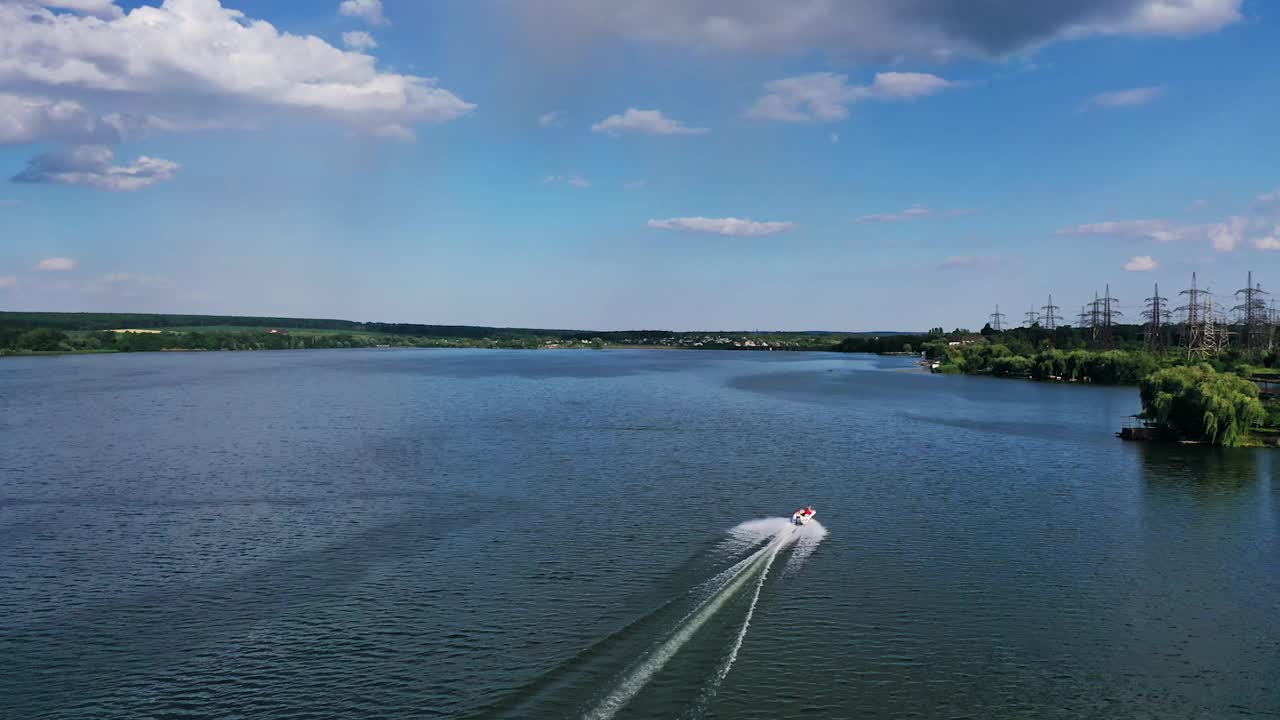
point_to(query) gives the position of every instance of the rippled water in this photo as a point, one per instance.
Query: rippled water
(410, 534)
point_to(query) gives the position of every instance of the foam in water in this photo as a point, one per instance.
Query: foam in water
(776, 533)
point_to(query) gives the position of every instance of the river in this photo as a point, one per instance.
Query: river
(597, 534)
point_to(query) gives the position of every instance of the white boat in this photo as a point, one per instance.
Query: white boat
(803, 515)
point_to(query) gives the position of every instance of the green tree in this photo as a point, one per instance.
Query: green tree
(1197, 402)
(42, 340)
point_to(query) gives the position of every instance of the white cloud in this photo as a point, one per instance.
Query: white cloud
(575, 180)
(33, 118)
(91, 165)
(195, 55)
(1141, 263)
(1125, 98)
(914, 212)
(8, 281)
(1268, 200)
(555, 118)
(359, 40)
(885, 30)
(368, 10)
(1271, 242)
(826, 97)
(56, 264)
(98, 8)
(646, 122)
(1226, 235)
(722, 226)
(1158, 230)
(973, 262)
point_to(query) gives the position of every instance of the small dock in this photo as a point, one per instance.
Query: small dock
(1136, 428)
(1139, 433)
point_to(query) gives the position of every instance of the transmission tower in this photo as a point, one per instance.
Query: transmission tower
(1103, 317)
(997, 320)
(1252, 314)
(1273, 323)
(1033, 317)
(1095, 318)
(1084, 317)
(1050, 319)
(1215, 335)
(1157, 316)
(1193, 321)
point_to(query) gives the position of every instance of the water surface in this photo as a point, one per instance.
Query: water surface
(452, 533)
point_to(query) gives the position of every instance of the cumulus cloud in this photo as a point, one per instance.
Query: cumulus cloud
(8, 281)
(1230, 233)
(56, 264)
(154, 60)
(935, 30)
(1125, 98)
(825, 97)
(359, 40)
(915, 212)
(645, 122)
(722, 226)
(33, 118)
(555, 118)
(1271, 242)
(368, 10)
(91, 166)
(973, 262)
(1141, 263)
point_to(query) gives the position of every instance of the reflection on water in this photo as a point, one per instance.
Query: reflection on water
(1203, 471)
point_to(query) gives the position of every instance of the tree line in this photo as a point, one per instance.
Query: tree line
(48, 340)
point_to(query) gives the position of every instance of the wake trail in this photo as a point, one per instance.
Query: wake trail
(713, 686)
(723, 586)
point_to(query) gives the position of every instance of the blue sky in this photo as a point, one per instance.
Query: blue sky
(600, 164)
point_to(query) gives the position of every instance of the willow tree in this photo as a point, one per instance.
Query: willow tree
(1199, 403)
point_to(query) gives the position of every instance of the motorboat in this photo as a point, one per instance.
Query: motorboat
(803, 515)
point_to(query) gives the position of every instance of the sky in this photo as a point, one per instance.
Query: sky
(601, 164)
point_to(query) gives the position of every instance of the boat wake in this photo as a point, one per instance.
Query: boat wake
(768, 537)
(602, 679)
